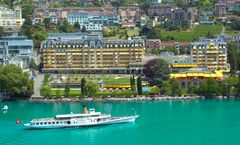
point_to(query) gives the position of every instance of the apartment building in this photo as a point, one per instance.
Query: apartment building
(93, 21)
(220, 10)
(56, 14)
(11, 19)
(160, 10)
(153, 44)
(129, 14)
(183, 17)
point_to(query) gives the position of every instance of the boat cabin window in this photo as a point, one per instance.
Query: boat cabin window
(68, 122)
(36, 123)
(57, 122)
(53, 122)
(49, 122)
(41, 123)
(45, 122)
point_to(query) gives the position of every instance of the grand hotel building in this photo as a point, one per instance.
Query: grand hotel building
(210, 53)
(89, 53)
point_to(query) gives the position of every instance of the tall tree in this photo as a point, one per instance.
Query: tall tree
(15, 82)
(84, 29)
(7, 2)
(166, 88)
(92, 88)
(83, 87)
(233, 56)
(64, 26)
(76, 25)
(176, 90)
(2, 33)
(210, 34)
(238, 86)
(179, 3)
(155, 90)
(156, 71)
(133, 83)
(47, 22)
(209, 88)
(228, 86)
(191, 89)
(155, 33)
(27, 8)
(139, 85)
(45, 91)
(26, 28)
(67, 88)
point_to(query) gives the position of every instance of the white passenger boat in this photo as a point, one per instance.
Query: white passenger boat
(5, 107)
(86, 119)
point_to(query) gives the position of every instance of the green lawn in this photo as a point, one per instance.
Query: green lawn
(194, 33)
(115, 80)
(231, 32)
(111, 80)
(74, 93)
(131, 33)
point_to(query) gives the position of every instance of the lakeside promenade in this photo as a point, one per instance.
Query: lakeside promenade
(112, 99)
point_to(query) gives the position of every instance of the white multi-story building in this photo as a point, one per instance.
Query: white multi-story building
(156, 1)
(16, 50)
(11, 19)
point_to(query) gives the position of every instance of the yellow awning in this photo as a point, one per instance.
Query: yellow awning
(207, 75)
(189, 74)
(213, 75)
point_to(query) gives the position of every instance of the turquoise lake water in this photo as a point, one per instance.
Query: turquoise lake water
(201, 122)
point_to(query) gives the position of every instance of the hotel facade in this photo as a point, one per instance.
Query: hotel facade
(85, 53)
(211, 54)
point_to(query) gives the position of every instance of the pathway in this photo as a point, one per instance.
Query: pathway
(37, 85)
(223, 30)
